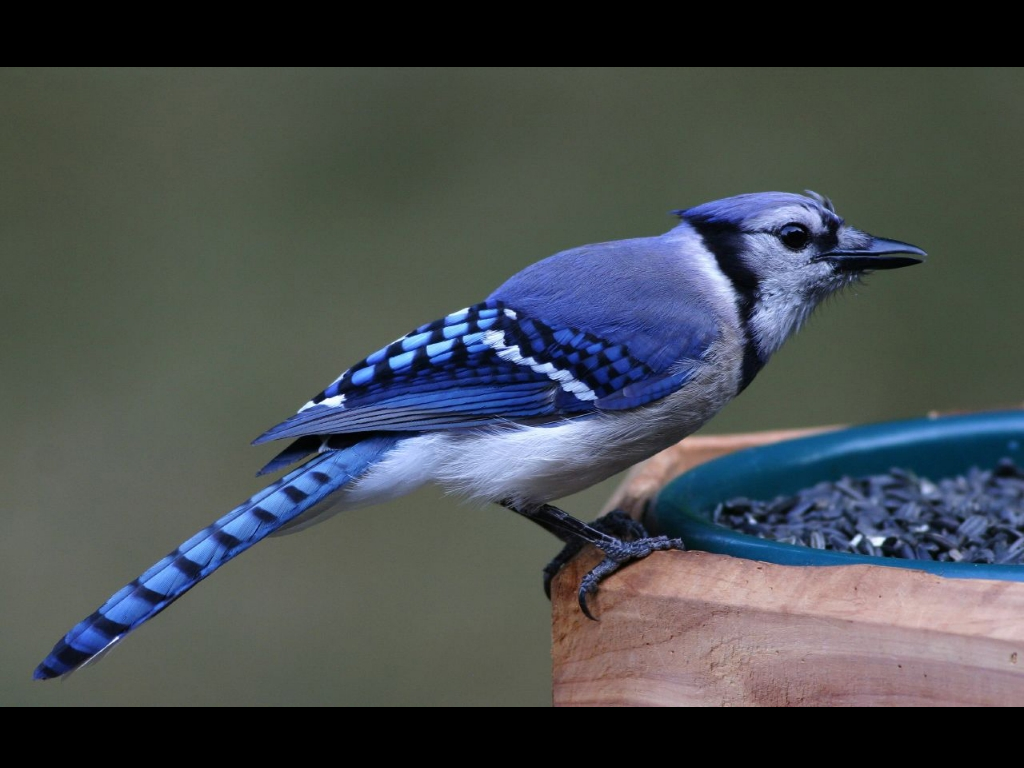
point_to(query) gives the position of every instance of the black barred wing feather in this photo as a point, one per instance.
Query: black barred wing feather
(483, 365)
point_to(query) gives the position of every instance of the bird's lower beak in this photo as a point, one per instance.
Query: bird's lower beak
(877, 254)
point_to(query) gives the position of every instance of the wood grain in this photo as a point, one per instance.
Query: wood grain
(696, 629)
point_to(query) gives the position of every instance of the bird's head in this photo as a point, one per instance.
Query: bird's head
(785, 253)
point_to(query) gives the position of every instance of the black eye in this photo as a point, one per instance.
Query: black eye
(794, 236)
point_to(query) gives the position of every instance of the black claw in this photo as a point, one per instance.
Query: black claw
(616, 523)
(617, 556)
(620, 537)
(583, 604)
(589, 584)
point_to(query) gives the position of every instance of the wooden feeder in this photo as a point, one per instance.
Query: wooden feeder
(699, 629)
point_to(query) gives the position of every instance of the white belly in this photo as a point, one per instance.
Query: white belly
(533, 465)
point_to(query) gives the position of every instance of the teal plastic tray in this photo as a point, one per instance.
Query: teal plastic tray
(933, 448)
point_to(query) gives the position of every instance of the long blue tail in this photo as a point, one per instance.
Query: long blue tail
(208, 550)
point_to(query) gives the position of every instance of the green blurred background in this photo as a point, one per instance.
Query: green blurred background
(188, 255)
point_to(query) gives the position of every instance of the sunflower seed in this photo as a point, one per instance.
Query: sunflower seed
(975, 517)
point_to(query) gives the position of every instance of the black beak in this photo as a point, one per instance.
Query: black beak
(876, 255)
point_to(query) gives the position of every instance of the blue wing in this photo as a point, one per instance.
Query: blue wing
(486, 364)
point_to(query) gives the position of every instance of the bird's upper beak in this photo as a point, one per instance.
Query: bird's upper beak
(878, 253)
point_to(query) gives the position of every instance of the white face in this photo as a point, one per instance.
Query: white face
(779, 248)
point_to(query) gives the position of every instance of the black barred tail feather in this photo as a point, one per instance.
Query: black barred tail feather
(208, 550)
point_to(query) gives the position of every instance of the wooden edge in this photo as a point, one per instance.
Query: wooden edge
(693, 628)
(648, 477)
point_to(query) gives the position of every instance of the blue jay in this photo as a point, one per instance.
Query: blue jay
(576, 368)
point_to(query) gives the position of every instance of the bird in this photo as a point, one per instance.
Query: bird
(577, 367)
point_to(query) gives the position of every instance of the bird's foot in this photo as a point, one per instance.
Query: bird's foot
(615, 557)
(616, 523)
(625, 540)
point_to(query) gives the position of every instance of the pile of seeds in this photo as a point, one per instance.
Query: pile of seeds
(977, 517)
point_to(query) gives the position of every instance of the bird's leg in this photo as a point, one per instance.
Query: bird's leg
(616, 523)
(618, 536)
(573, 544)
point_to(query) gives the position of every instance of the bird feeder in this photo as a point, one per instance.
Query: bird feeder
(729, 627)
